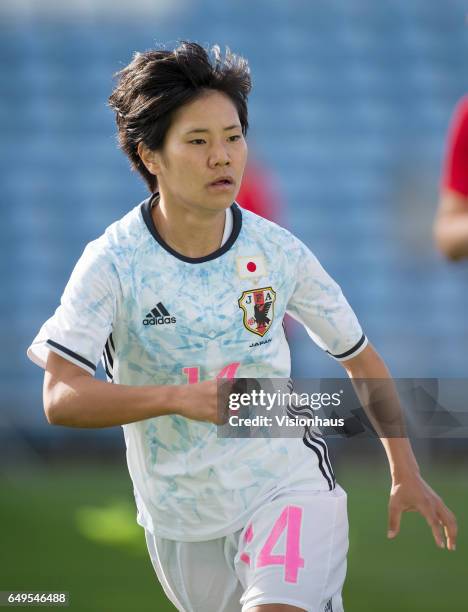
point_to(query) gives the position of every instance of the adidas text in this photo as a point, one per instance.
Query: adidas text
(159, 320)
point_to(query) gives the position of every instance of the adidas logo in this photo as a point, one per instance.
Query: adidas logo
(158, 316)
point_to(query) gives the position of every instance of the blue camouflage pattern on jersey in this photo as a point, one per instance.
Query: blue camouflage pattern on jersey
(188, 483)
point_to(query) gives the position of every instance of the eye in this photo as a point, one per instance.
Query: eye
(235, 137)
(197, 141)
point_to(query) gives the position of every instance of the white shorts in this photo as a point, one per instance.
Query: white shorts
(291, 551)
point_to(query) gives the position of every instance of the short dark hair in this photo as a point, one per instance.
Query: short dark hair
(158, 82)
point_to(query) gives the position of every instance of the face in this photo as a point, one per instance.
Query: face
(203, 144)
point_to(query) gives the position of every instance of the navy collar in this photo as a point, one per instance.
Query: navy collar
(146, 207)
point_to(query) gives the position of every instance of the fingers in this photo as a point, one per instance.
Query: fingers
(394, 518)
(442, 522)
(434, 524)
(418, 496)
(222, 408)
(448, 521)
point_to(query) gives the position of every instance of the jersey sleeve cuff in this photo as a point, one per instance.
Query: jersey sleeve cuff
(352, 352)
(38, 354)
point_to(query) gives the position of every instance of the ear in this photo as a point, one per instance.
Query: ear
(150, 158)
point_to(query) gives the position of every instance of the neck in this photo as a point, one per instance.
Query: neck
(190, 232)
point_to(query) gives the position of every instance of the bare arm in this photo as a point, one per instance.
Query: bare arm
(409, 491)
(389, 421)
(73, 398)
(451, 225)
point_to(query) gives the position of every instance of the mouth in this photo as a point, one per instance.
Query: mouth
(223, 181)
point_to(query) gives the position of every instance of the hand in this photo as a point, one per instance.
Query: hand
(205, 401)
(413, 494)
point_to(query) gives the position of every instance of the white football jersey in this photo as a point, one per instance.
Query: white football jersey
(157, 317)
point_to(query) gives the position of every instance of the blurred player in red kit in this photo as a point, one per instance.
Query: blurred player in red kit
(258, 193)
(451, 222)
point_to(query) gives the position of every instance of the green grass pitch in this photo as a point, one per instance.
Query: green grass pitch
(74, 529)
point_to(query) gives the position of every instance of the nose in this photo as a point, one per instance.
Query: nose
(219, 156)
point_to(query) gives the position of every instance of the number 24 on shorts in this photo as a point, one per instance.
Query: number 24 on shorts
(290, 521)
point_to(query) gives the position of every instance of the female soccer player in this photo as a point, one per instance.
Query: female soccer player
(187, 288)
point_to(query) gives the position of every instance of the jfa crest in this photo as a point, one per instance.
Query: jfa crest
(258, 306)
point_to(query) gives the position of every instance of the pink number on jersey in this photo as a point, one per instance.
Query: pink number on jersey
(248, 535)
(193, 375)
(229, 371)
(290, 519)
